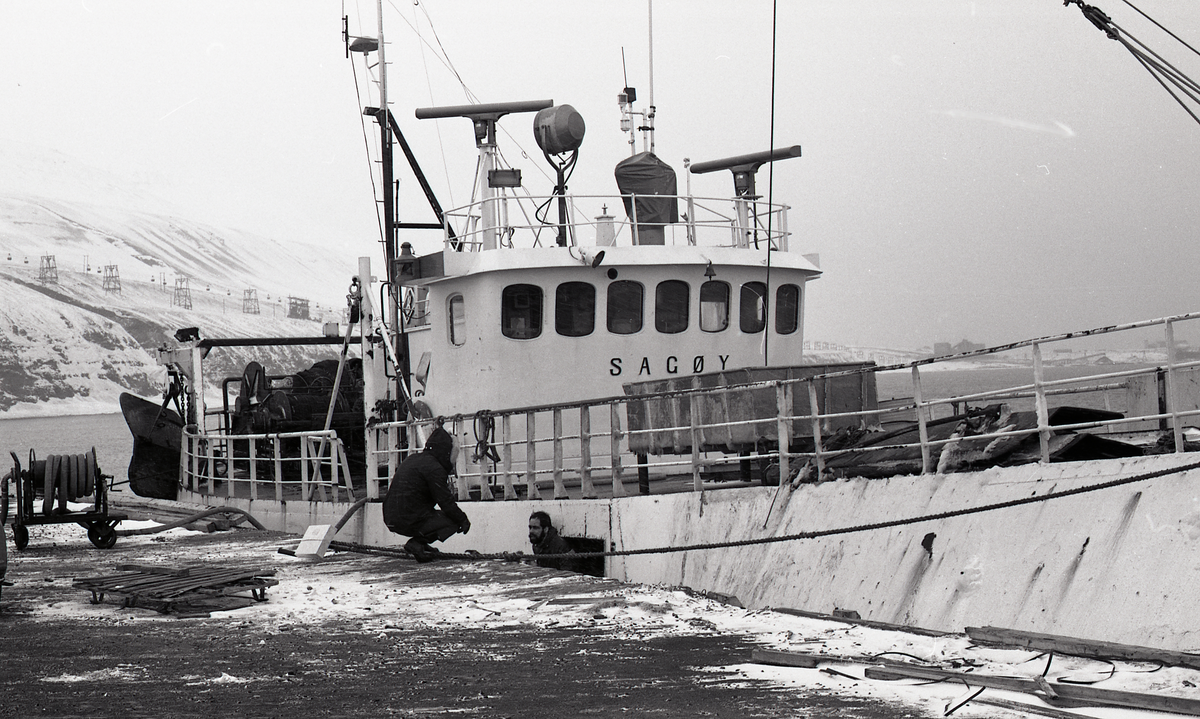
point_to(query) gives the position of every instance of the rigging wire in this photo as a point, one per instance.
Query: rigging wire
(1160, 63)
(770, 195)
(1160, 27)
(429, 91)
(439, 52)
(367, 147)
(1162, 71)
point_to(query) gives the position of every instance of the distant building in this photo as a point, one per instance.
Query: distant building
(941, 349)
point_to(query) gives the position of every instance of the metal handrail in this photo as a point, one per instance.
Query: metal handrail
(209, 458)
(468, 234)
(549, 446)
(1040, 389)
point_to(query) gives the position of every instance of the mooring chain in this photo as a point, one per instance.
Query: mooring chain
(518, 556)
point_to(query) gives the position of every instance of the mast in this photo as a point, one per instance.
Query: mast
(385, 139)
(650, 115)
(628, 96)
(392, 316)
(393, 313)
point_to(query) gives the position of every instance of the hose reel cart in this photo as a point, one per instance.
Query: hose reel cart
(43, 491)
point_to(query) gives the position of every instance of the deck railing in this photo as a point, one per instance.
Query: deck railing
(589, 449)
(570, 450)
(704, 221)
(310, 466)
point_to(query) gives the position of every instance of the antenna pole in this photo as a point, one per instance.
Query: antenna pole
(650, 117)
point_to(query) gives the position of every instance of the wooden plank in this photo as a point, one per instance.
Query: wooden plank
(560, 489)
(216, 579)
(119, 582)
(785, 659)
(531, 457)
(864, 622)
(810, 660)
(1069, 692)
(614, 444)
(586, 487)
(154, 569)
(1024, 708)
(232, 589)
(1081, 647)
(510, 491)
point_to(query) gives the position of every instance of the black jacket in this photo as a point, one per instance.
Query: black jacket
(552, 543)
(420, 484)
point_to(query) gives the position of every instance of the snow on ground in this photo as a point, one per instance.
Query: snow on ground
(385, 595)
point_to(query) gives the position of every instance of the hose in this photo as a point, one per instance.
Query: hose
(188, 520)
(349, 513)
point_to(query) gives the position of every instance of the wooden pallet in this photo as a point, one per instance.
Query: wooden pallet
(187, 591)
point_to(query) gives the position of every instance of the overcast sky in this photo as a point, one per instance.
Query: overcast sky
(991, 170)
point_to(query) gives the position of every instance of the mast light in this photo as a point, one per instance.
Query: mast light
(558, 129)
(510, 177)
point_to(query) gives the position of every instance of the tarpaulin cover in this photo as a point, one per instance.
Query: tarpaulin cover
(644, 174)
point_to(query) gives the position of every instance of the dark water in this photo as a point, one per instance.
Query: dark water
(68, 435)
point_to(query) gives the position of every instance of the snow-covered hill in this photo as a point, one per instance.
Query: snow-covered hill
(71, 345)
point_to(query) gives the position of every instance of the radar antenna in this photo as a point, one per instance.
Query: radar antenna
(484, 118)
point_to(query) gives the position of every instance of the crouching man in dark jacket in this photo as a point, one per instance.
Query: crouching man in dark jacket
(420, 483)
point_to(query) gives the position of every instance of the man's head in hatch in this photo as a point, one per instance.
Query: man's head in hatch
(539, 524)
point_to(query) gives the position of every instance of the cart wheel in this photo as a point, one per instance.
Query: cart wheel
(20, 536)
(102, 535)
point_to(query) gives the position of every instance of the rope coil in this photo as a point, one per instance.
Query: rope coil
(484, 426)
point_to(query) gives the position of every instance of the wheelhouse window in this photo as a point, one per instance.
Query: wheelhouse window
(754, 307)
(521, 311)
(787, 309)
(714, 306)
(458, 320)
(625, 301)
(575, 309)
(671, 306)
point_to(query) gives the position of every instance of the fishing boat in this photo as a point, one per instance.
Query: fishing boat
(633, 363)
